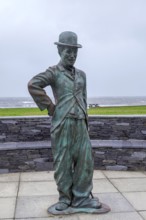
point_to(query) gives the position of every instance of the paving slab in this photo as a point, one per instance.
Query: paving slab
(37, 176)
(143, 214)
(98, 174)
(34, 207)
(112, 216)
(37, 188)
(124, 174)
(137, 199)
(130, 185)
(9, 177)
(8, 189)
(116, 201)
(71, 217)
(103, 186)
(7, 207)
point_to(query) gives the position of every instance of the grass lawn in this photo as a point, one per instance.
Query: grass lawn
(126, 110)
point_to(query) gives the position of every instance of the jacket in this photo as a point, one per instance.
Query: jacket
(66, 90)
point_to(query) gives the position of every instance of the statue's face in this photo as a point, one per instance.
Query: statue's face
(68, 56)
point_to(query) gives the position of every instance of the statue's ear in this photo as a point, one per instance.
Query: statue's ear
(60, 49)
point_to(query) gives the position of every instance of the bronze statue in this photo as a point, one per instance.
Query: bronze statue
(70, 141)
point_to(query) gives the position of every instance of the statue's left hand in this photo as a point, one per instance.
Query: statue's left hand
(51, 109)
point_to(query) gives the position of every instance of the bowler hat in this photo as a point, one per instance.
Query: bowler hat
(68, 38)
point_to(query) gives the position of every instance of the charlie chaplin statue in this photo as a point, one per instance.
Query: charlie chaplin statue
(71, 147)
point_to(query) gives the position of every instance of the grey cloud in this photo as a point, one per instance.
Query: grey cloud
(113, 35)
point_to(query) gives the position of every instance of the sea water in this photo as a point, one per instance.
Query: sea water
(27, 102)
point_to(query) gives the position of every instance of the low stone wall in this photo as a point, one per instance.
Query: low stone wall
(25, 156)
(117, 127)
(107, 154)
(14, 129)
(118, 143)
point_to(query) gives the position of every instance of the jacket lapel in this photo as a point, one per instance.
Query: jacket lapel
(68, 75)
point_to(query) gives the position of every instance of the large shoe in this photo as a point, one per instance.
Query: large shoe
(60, 206)
(90, 203)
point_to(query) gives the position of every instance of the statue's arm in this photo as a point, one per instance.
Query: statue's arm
(36, 89)
(85, 99)
(85, 92)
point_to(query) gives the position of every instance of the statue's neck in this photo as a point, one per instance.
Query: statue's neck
(69, 68)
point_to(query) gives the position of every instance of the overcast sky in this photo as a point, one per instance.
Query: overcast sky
(112, 32)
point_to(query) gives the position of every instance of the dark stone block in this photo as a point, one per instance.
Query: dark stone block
(117, 168)
(109, 162)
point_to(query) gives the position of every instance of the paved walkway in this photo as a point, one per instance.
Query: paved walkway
(28, 195)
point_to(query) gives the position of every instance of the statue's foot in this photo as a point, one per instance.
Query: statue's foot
(90, 203)
(60, 206)
(90, 207)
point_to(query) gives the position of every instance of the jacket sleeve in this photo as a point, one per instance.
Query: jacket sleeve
(85, 99)
(85, 92)
(36, 89)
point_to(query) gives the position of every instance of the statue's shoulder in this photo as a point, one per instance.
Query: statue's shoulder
(81, 72)
(52, 68)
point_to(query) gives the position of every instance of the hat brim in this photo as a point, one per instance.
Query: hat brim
(68, 45)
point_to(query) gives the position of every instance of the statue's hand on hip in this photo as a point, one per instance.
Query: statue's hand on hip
(51, 109)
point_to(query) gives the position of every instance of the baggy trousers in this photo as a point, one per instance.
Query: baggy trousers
(73, 161)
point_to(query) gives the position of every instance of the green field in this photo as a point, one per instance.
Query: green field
(126, 110)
